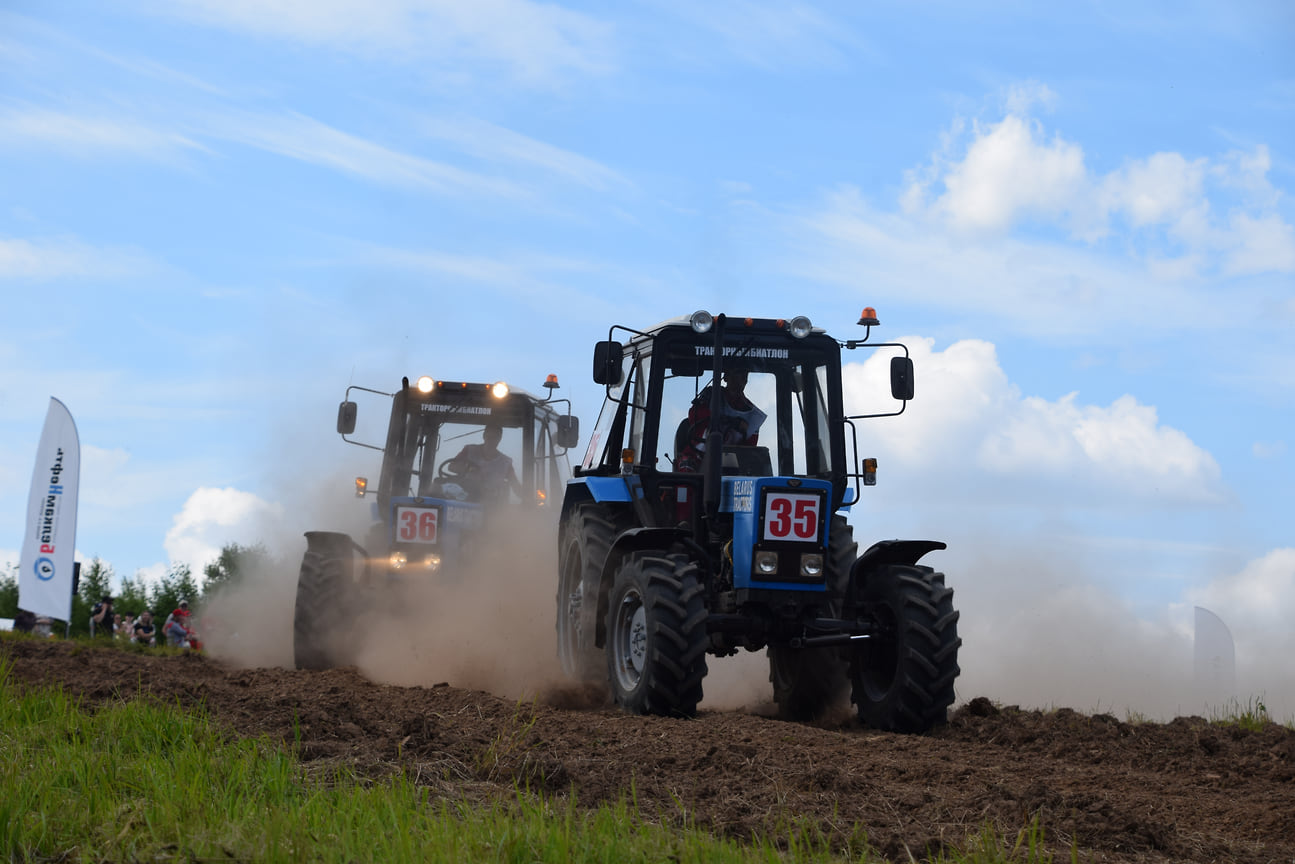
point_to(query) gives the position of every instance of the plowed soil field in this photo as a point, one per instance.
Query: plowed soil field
(1183, 791)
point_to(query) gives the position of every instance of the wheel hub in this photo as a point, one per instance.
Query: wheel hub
(629, 641)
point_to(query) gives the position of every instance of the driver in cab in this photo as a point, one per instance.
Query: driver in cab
(486, 470)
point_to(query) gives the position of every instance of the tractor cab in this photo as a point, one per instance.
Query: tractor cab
(457, 457)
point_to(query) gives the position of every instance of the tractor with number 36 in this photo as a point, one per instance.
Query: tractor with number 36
(708, 517)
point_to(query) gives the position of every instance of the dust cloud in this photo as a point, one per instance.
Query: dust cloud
(488, 626)
(1038, 630)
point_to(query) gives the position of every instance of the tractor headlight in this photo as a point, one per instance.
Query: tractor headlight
(701, 321)
(398, 560)
(425, 384)
(800, 327)
(811, 565)
(766, 563)
(499, 389)
(432, 562)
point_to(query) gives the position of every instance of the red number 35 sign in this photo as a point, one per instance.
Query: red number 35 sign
(788, 516)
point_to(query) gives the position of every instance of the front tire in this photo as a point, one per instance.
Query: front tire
(809, 682)
(323, 610)
(902, 677)
(656, 635)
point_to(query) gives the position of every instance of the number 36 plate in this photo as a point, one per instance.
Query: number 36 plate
(417, 524)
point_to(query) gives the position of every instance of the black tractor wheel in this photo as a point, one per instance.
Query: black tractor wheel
(903, 675)
(324, 608)
(587, 537)
(807, 682)
(656, 635)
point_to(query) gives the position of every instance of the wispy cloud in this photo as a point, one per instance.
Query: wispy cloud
(773, 35)
(59, 258)
(88, 135)
(492, 143)
(305, 139)
(537, 44)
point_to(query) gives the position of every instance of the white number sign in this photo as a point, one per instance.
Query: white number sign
(788, 516)
(417, 524)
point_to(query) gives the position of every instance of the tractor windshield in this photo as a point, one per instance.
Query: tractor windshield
(774, 412)
(452, 445)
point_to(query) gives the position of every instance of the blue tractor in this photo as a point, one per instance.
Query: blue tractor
(434, 502)
(708, 517)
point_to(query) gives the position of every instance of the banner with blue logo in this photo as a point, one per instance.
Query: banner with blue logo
(45, 577)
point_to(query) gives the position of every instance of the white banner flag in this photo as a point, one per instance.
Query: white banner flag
(45, 574)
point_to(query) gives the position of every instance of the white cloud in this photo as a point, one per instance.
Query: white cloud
(1009, 173)
(1155, 190)
(63, 257)
(88, 136)
(971, 430)
(307, 140)
(1264, 244)
(1263, 594)
(538, 43)
(1256, 604)
(211, 518)
(1201, 214)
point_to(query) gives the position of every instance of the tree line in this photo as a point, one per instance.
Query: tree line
(234, 564)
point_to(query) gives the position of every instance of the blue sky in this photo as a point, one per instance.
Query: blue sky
(216, 215)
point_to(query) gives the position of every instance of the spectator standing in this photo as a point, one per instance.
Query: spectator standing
(176, 628)
(101, 618)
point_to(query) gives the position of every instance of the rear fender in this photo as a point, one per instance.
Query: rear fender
(884, 553)
(633, 540)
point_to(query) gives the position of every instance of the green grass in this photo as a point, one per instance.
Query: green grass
(1251, 716)
(141, 780)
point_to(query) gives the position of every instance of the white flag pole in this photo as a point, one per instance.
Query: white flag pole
(49, 542)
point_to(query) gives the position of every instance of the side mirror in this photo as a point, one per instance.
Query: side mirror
(346, 418)
(607, 362)
(901, 378)
(568, 431)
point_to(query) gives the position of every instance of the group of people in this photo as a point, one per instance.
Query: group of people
(177, 630)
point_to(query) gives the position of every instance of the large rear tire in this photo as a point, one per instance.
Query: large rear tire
(656, 635)
(903, 675)
(323, 610)
(587, 537)
(809, 682)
